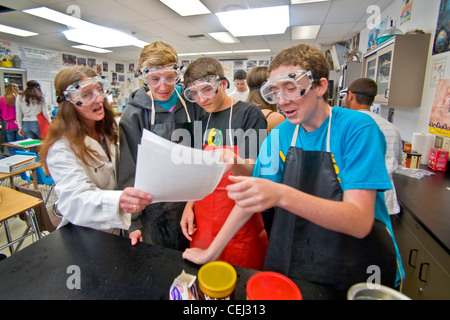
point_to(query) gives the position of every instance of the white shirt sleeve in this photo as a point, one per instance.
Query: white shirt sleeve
(80, 201)
(45, 112)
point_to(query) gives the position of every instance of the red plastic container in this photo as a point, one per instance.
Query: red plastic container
(268, 285)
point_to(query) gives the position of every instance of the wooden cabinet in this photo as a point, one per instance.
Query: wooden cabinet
(426, 262)
(398, 66)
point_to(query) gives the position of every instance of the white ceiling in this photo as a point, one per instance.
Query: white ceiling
(151, 20)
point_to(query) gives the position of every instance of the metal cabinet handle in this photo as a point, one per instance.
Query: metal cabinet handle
(410, 257)
(421, 271)
(386, 93)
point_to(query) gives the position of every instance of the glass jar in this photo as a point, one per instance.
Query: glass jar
(217, 280)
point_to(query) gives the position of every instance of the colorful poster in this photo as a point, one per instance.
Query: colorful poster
(441, 39)
(440, 111)
(406, 11)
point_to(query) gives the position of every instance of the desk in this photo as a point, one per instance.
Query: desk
(12, 203)
(11, 175)
(15, 144)
(110, 268)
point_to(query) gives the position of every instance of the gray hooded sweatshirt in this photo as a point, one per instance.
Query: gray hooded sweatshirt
(159, 222)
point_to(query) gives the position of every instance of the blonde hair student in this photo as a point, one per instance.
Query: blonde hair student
(158, 106)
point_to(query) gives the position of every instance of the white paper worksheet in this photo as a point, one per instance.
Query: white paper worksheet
(173, 173)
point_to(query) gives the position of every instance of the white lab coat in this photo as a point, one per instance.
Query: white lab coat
(86, 194)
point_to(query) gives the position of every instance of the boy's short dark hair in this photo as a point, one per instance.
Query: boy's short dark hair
(240, 75)
(202, 67)
(367, 89)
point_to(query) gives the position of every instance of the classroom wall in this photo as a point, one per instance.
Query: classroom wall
(43, 64)
(424, 16)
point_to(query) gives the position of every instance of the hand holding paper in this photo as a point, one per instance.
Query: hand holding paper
(175, 173)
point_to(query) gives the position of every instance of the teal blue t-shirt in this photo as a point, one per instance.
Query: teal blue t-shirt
(170, 104)
(357, 145)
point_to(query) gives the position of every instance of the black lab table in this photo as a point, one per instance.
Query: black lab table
(107, 267)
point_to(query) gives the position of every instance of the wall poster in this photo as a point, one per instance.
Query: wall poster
(439, 123)
(441, 40)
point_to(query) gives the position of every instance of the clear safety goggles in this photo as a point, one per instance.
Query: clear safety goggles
(240, 82)
(154, 76)
(205, 87)
(343, 93)
(87, 90)
(289, 85)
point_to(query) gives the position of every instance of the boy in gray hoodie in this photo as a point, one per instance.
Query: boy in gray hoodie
(158, 106)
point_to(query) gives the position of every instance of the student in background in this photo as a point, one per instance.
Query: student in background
(324, 170)
(29, 105)
(240, 83)
(8, 115)
(360, 95)
(158, 106)
(232, 128)
(256, 77)
(80, 153)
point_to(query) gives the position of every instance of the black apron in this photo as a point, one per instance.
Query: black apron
(162, 220)
(305, 251)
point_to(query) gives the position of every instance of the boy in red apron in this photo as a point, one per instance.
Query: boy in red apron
(232, 128)
(324, 171)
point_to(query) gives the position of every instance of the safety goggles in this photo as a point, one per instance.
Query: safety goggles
(289, 85)
(155, 75)
(343, 93)
(205, 87)
(240, 82)
(87, 90)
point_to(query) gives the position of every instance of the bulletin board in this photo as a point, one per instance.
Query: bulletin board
(41, 64)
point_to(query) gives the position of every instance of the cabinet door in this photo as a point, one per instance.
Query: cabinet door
(411, 252)
(371, 67)
(434, 281)
(383, 74)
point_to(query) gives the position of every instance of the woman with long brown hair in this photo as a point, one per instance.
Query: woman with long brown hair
(29, 105)
(255, 79)
(80, 154)
(8, 115)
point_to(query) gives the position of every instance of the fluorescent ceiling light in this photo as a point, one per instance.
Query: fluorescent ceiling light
(223, 37)
(101, 37)
(306, 1)
(186, 7)
(305, 32)
(56, 16)
(86, 32)
(188, 54)
(255, 22)
(16, 31)
(248, 51)
(90, 48)
(217, 52)
(223, 52)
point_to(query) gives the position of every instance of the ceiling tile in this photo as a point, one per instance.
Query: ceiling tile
(151, 20)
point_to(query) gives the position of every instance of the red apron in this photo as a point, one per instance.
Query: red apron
(248, 247)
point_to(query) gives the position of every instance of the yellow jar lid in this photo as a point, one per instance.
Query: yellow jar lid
(217, 279)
